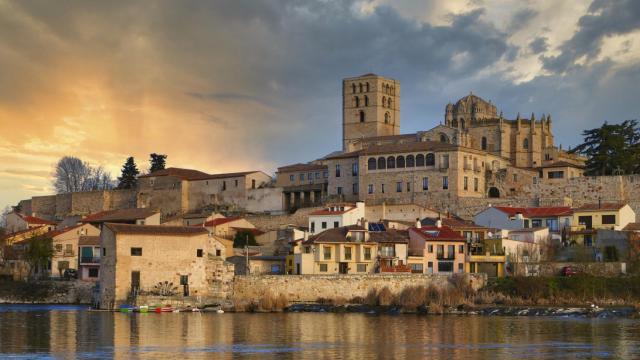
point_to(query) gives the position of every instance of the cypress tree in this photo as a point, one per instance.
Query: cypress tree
(158, 162)
(129, 178)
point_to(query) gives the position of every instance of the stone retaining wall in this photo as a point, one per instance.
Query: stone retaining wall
(310, 288)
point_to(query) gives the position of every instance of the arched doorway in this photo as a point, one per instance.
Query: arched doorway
(494, 192)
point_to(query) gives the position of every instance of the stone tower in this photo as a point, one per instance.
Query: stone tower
(370, 107)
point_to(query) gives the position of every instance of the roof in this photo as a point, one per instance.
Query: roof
(254, 231)
(302, 167)
(530, 212)
(55, 233)
(434, 233)
(601, 207)
(528, 229)
(452, 223)
(220, 221)
(399, 148)
(89, 240)
(634, 226)
(35, 220)
(339, 235)
(267, 257)
(17, 233)
(561, 164)
(120, 215)
(329, 212)
(156, 229)
(190, 174)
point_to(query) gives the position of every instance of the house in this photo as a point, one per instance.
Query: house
(513, 218)
(467, 229)
(612, 216)
(538, 235)
(89, 257)
(16, 221)
(258, 264)
(66, 248)
(520, 257)
(353, 249)
(228, 227)
(334, 216)
(138, 216)
(436, 250)
(136, 258)
(303, 185)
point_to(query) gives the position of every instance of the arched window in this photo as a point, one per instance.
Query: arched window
(391, 162)
(384, 101)
(386, 88)
(360, 85)
(494, 192)
(400, 162)
(382, 163)
(386, 118)
(353, 88)
(367, 87)
(525, 144)
(356, 101)
(389, 104)
(462, 123)
(444, 138)
(371, 164)
(366, 100)
(392, 90)
(484, 143)
(419, 160)
(454, 123)
(361, 116)
(410, 161)
(430, 159)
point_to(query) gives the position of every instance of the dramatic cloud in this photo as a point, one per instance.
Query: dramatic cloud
(234, 85)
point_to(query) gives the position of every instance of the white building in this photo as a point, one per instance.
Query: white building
(514, 218)
(334, 216)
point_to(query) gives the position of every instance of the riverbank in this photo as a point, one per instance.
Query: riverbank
(46, 292)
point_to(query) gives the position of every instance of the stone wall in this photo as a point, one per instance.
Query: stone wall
(274, 222)
(310, 288)
(554, 268)
(264, 199)
(44, 206)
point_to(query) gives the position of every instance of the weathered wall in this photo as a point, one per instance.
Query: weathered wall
(44, 206)
(554, 269)
(310, 288)
(264, 199)
(274, 222)
(63, 205)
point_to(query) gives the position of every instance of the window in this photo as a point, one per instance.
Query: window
(336, 224)
(362, 267)
(430, 267)
(460, 267)
(552, 224)
(318, 175)
(310, 176)
(337, 170)
(419, 160)
(325, 174)
(327, 252)
(515, 177)
(366, 100)
(291, 178)
(355, 189)
(347, 253)
(416, 268)
(339, 190)
(370, 189)
(475, 184)
(445, 162)
(386, 118)
(360, 86)
(536, 223)
(382, 188)
(399, 186)
(253, 184)
(367, 86)
(58, 247)
(384, 101)
(362, 116)
(445, 266)
(525, 144)
(313, 226)
(408, 186)
(555, 174)
(466, 183)
(440, 251)
(301, 177)
(324, 225)
(218, 252)
(236, 183)
(367, 253)
(93, 272)
(356, 101)
(372, 164)
(104, 251)
(445, 183)
(526, 223)
(224, 185)
(391, 162)
(430, 160)
(451, 251)
(354, 169)
(430, 248)
(275, 269)
(199, 253)
(425, 183)
(136, 251)
(382, 163)
(353, 88)
(400, 162)
(608, 219)
(484, 143)
(460, 249)
(323, 267)
(410, 161)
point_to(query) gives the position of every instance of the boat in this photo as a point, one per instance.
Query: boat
(126, 308)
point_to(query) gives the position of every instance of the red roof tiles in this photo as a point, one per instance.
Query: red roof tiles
(190, 174)
(434, 233)
(36, 220)
(529, 212)
(220, 221)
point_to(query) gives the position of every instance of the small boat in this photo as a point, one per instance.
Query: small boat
(126, 308)
(163, 309)
(142, 309)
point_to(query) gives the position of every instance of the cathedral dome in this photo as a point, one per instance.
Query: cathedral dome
(475, 104)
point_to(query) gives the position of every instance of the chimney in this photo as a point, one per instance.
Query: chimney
(418, 224)
(439, 223)
(365, 224)
(306, 235)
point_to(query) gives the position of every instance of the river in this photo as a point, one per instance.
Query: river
(68, 332)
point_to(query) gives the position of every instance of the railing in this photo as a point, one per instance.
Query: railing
(445, 257)
(416, 253)
(387, 253)
(89, 260)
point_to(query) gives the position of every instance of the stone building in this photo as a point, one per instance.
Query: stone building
(303, 185)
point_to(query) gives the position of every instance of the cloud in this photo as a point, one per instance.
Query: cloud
(521, 19)
(539, 45)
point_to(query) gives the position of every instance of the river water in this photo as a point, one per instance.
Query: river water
(67, 332)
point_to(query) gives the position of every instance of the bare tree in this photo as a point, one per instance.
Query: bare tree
(72, 175)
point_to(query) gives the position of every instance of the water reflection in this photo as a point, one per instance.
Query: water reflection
(69, 333)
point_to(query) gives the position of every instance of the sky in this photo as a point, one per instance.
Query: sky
(234, 85)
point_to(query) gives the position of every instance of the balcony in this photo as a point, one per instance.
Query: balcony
(445, 257)
(89, 260)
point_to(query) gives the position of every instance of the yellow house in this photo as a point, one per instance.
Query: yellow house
(353, 249)
(437, 250)
(611, 216)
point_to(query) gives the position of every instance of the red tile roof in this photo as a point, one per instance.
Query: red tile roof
(339, 235)
(156, 229)
(530, 212)
(634, 226)
(434, 233)
(36, 220)
(25, 231)
(601, 207)
(302, 167)
(119, 215)
(327, 211)
(220, 221)
(190, 174)
(55, 233)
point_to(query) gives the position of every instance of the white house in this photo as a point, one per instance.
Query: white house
(514, 218)
(334, 216)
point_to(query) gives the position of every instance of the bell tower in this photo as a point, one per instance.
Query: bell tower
(370, 107)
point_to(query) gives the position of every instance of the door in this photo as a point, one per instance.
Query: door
(586, 220)
(184, 281)
(298, 269)
(344, 268)
(135, 281)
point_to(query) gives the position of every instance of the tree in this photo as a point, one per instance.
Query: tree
(71, 174)
(129, 177)
(611, 149)
(243, 238)
(38, 253)
(158, 162)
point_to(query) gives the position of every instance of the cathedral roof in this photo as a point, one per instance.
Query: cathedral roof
(471, 101)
